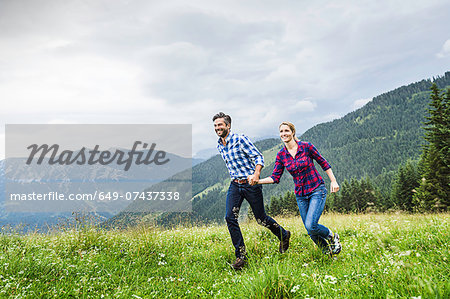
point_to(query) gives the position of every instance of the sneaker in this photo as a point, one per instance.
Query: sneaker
(335, 244)
(284, 243)
(239, 264)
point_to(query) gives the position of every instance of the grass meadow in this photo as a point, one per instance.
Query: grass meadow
(383, 256)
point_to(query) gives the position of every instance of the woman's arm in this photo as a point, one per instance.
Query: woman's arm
(267, 180)
(334, 187)
(274, 178)
(318, 157)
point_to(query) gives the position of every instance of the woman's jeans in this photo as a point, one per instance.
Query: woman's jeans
(311, 207)
(253, 194)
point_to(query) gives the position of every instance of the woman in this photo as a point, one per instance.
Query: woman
(310, 192)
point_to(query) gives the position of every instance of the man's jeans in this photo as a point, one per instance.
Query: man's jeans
(311, 208)
(253, 194)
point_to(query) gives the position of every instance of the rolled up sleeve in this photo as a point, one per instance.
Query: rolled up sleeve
(318, 157)
(250, 149)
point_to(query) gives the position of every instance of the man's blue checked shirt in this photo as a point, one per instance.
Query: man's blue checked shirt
(240, 155)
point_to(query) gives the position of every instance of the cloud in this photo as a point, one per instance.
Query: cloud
(58, 121)
(445, 51)
(176, 62)
(2, 148)
(359, 103)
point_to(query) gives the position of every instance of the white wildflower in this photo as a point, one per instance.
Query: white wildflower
(295, 288)
(405, 253)
(330, 279)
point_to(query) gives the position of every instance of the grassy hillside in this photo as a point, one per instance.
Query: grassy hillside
(369, 142)
(395, 256)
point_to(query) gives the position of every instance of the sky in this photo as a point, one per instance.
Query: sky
(180, 62)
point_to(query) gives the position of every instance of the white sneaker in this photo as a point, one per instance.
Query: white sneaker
(335, 244)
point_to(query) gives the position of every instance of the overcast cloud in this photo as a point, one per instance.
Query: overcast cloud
(262, 62)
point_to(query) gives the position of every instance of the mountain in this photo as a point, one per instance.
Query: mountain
(369, 142)
(205, 154)
(74, 179)
(196, 161)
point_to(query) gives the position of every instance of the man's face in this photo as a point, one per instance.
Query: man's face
(221, 128)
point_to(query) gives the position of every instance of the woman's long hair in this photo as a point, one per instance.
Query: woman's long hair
(291, 126)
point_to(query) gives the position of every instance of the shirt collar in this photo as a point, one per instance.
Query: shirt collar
(227, 139)
(298, 148)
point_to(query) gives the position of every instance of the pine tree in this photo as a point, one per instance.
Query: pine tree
(357, 196)
(369, 198)
(445, 150)
(330, 204)
(343, 199)
(404, 186)
(434, 191)
(275, 207)
(288, 204)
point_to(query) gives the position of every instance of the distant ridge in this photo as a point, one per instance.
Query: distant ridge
(369, 142)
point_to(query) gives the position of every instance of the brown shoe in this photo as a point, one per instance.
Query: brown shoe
(284, 243)
(239, 264)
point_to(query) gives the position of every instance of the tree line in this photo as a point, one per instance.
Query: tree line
(420, 185)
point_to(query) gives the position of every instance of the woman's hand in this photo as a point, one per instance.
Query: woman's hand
(267, 180)
(253, 179)
(334, 187)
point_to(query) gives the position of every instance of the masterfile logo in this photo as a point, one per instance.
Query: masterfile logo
(98, 168)
(91, 157)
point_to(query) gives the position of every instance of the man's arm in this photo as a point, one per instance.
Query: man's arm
(254, 178)
(255, 155)
(251, 151)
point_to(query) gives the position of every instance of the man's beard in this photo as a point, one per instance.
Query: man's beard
(223, 134)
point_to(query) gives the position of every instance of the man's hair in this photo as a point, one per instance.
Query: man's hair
(225, 117)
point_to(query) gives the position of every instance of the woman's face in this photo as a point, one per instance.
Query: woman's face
(286, 134)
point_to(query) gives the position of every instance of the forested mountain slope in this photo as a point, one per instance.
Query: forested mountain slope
(369, 142)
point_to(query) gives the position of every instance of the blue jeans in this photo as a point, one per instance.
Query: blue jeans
(253, 194)
(311, 208)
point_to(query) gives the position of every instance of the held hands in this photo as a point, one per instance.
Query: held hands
(334, 187)
(253, 179)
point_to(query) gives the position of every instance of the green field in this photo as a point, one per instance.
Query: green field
(384, 256)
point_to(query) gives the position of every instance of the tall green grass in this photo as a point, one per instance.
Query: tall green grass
(384, 256)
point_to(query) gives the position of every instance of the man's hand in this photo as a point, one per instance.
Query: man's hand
(253, 179)
(334, 187)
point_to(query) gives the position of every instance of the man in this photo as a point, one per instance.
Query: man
(244, 163)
